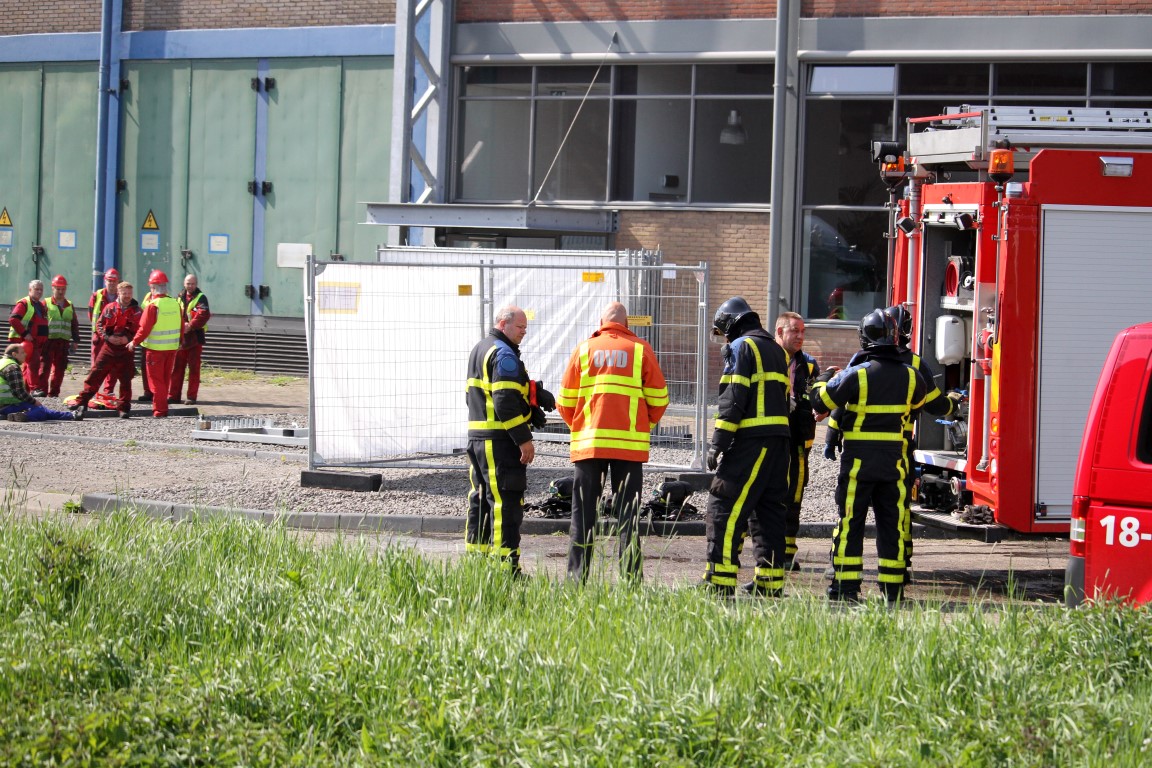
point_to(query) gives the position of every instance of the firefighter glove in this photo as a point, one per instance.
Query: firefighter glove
(956, 398)
(713, 458)
(544, 398)
(833, 439)
(538, 420)
(826, 376)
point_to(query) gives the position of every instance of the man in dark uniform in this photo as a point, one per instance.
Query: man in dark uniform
(802, 371)
(502, 406)
(750, 489)
(935, 402)
(878, 396)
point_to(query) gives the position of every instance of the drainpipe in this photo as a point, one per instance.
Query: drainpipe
(109, 13)
(779, 132)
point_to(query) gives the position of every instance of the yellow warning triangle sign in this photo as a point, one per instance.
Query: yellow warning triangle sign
(150, 222)
(5, 219)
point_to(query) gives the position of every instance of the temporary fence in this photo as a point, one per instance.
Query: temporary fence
(389, 342)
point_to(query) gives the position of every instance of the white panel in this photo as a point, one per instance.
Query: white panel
(1096, 279)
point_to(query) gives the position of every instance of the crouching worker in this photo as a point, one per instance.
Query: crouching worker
(15, 402)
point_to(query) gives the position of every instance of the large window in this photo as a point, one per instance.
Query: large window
(843, 262)
(671, 133)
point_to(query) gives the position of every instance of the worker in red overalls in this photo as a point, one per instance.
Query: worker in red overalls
(119, 321)
(194, 305)
(161, 329)
(28, 325)
(101, 298)
(63, 337)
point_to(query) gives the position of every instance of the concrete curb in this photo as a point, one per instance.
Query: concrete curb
(415, 525)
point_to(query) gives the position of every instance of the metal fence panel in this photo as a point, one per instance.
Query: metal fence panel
(389, 342)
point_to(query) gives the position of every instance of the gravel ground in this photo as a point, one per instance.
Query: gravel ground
(157, 459)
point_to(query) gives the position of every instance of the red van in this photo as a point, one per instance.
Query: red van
(1111, 535)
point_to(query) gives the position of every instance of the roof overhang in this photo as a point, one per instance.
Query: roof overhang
(471, 216)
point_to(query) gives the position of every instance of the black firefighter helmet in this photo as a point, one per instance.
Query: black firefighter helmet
(903, 319)
(729, 316)
(878, 329)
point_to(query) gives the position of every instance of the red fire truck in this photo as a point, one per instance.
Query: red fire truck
(1022, 243)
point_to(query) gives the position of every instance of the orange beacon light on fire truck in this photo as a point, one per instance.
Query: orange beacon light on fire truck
(1001, 166)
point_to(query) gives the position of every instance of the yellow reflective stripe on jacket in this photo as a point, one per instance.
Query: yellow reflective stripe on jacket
(860, 408)
(618, 400)
(759, 377)
(855, 434)
(487, 387)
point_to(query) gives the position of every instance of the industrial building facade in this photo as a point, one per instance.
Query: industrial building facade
(227, 139)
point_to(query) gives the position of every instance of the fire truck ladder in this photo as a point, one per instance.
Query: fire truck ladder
(968, 134)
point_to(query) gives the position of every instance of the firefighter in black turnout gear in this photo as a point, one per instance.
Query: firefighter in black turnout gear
(878, 397)
(935, 402)
(802, 370)
(749, 492)
(503, 404)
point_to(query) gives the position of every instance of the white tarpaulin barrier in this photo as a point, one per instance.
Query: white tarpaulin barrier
(389, 342)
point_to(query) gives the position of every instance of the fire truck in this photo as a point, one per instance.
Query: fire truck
(1020, 239)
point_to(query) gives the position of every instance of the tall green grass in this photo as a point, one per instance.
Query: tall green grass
(216, 642)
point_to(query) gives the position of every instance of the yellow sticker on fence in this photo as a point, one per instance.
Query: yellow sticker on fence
(592, 277)
(640, 321)
(334, 298)
(463, 290)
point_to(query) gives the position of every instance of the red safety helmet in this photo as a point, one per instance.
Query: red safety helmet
(59, 282)
(157, 278)
(112, 274)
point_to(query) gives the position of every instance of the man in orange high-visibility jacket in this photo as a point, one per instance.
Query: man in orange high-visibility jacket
(612, 396)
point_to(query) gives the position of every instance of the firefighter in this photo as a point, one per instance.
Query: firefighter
(63, 336)
(500, 448)
(161, 327)
(194, 308)
(802, 371)
(16, 404)
(119, 321)
(935, 402)
(28, 325)
(612, 396)
(101, 298)
(750, 490)
(878, 397)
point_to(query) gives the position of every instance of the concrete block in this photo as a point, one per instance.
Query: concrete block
(341, 481)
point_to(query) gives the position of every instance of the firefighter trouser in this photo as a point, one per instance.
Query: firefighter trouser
(496, 501)
(110, 382)
(909, 481)
(33, 353)
(158, 366)
(627, 484)
(871, 474)
(186, 358)
(53, 363)
(749, 495)
(797, 480)
(114, 363)
(144, 385)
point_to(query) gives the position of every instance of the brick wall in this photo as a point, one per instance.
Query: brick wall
(21, 17)
(617, 10)
(644, 10)
(735, 246)
(228, 14)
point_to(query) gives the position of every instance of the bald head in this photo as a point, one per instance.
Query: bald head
(615, 313)
(512, 322)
